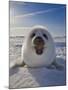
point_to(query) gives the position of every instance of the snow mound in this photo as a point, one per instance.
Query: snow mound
(21, 77)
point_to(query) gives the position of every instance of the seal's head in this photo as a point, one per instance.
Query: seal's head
(38, 39)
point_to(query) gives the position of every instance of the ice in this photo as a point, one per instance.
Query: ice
(23, 77)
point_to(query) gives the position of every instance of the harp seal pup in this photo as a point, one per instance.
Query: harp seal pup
(38, 49)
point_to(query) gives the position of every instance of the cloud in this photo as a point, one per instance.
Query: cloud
(37, 12)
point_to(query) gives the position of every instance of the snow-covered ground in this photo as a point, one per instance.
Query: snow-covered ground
(20, 77)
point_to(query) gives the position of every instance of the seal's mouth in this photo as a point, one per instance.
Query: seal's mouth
(38, 45)
(39, 51)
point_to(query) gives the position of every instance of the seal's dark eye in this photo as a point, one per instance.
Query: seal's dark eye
(45, 36)
(32, 35)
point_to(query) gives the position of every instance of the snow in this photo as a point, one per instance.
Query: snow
(21, 77)
(24, 77)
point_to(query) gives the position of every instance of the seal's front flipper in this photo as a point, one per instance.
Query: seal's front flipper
(19, 65)
(58, 66)
(50, 67)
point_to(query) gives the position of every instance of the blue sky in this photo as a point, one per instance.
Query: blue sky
(24, 14)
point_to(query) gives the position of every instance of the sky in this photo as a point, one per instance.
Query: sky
(27, 14)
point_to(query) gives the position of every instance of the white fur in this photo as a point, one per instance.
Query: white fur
(28, 53)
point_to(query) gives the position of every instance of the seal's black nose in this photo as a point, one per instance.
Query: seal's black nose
(38, 40)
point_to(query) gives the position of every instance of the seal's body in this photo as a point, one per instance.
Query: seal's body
(38, 49)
